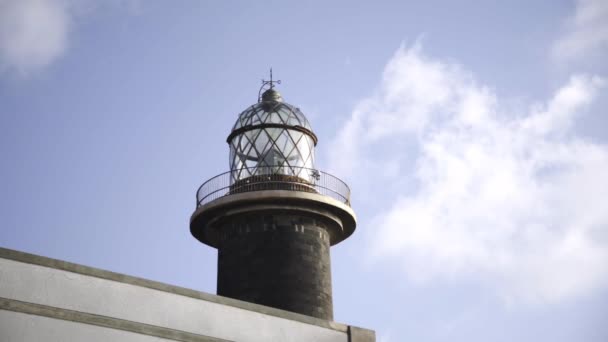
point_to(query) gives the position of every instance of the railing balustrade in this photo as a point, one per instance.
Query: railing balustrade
(273, 178)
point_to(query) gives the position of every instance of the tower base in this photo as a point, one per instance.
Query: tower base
(276, 259)
(273, 246)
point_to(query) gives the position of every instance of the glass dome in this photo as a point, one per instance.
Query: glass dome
(272, 137)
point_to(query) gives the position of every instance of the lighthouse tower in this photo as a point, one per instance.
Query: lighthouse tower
(273, 216)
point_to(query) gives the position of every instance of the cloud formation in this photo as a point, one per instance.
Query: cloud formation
(515, 196)
(587, 31)
(33, 33)
(36, 33)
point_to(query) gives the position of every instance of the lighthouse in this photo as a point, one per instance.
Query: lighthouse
(274, 215)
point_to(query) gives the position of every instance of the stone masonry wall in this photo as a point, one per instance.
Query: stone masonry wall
(276, 259)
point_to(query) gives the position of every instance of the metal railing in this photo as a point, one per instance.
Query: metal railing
(271, 178)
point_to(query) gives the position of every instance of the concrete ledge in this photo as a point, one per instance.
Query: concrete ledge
(102, 321)
(356, 334)
(98, 273)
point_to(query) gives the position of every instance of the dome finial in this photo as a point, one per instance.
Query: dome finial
(271, 82)
(270, 94)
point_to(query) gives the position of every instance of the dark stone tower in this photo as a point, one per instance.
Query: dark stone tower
(273, 216)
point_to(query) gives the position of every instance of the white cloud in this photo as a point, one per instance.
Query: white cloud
(587, 31)
(33, 33)
(515, 197)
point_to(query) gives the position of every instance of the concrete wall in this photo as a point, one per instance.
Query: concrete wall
(52, 300)
(17, 326)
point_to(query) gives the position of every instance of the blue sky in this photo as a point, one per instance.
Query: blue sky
(472, 134)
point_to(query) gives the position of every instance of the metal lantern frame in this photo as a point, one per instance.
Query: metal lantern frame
(271, 137)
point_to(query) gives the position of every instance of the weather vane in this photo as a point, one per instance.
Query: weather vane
(265, 83)
(271, 82)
